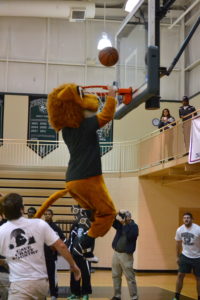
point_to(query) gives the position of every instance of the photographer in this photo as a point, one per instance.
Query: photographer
(124, 244)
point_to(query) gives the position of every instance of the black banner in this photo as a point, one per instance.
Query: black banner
(39, 130)
(105, 135)
(1, 118)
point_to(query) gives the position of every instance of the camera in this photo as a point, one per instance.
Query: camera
(122, 215)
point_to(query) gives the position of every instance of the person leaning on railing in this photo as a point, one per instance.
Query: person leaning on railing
(185, 110)
(167, 122)
(166, 119)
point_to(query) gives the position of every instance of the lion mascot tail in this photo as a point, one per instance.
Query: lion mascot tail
(50, 201)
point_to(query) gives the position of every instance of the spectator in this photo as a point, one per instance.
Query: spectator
(167, 138)
(22, 243)
(4, 271)
(3, 220)
(124, 244)
(185, 113)
(31, 212)
(80, 290)
(186, 110)
(166, 119)
(51, 255)
(188, 240)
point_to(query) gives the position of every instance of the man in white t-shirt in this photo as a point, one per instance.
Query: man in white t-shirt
(22, 243)
(188, 240)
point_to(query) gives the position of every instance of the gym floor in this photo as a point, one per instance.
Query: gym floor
(151, 286)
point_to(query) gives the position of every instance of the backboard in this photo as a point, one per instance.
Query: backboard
(138, 65)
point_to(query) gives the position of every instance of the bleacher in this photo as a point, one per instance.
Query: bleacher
(36, 186)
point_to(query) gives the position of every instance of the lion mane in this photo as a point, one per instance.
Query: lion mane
(66, 106)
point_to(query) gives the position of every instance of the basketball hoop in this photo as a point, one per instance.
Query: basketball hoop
(102, 91)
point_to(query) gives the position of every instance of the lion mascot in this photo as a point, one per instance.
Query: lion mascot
(75, 113)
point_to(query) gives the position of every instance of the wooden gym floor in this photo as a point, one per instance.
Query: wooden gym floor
(151, 286)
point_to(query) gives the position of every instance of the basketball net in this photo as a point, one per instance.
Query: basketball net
(101, 91)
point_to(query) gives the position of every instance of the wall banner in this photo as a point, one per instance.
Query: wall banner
(194, 150)
(106, 138)
(105, 135)
(1, 118)
(39, 130)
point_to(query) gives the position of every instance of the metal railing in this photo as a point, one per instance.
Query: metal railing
(117, 157)
(130, 156)
(166, 144)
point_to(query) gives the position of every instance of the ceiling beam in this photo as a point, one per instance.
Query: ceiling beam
(185, 13)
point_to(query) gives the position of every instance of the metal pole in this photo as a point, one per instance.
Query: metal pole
(183, 46)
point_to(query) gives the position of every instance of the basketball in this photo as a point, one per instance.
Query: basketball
(108, 56)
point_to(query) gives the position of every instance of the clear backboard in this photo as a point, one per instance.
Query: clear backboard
(138, 65)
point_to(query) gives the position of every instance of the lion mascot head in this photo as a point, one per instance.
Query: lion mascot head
(66, 105)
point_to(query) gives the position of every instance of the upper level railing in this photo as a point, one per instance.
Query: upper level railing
(130, 156)
(118, 157)
(170, 142)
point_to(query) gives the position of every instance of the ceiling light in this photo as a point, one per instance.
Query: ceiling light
(104, 42)
(130, 4)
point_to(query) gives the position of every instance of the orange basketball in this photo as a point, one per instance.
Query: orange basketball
(108, 56)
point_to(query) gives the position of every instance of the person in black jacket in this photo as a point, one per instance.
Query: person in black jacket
(31, 212)
(51, 255)
(186, 110)
(80, 289)
(124, 245)
(186, 114)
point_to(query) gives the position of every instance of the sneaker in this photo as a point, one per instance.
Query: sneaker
(85, 297)
(115, 298)
(53, 298)
(73, 297)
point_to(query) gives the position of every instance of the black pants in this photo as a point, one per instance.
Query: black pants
(83, 286)
(51, 267)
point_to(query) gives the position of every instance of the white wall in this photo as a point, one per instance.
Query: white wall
(159, 207)
(155, 207)
(192, 54)
(37, 54)
(138, 122)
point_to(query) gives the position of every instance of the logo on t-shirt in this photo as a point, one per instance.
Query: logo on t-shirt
(187, 238)
(80, 232)
(19, 238)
